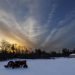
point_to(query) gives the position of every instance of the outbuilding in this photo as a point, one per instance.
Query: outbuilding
(72, 55)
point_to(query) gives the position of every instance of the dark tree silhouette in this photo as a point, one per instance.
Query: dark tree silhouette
(65, 52)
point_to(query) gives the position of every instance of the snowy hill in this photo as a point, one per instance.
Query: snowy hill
(61, 66)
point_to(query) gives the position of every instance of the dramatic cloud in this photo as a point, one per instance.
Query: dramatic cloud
(48, 24)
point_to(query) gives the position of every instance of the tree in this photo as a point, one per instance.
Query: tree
(5, 46)
(13, 48)
(65, 52)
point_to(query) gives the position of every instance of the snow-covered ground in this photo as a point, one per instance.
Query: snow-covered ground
(61, 66)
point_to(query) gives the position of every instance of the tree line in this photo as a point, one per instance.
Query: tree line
(10, 51)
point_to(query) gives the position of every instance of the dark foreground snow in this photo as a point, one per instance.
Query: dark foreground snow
(61, 66)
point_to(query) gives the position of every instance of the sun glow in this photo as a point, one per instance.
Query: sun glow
(19, 46)
(16, 42)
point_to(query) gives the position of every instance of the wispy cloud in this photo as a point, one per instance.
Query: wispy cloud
(11, 28)
(61, 35)
(48, 25)
(38, 23)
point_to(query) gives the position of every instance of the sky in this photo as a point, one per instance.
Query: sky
(47, 24)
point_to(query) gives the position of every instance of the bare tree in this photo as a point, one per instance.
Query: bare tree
(5, 46)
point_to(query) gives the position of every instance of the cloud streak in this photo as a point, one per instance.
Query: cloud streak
(37, 23)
